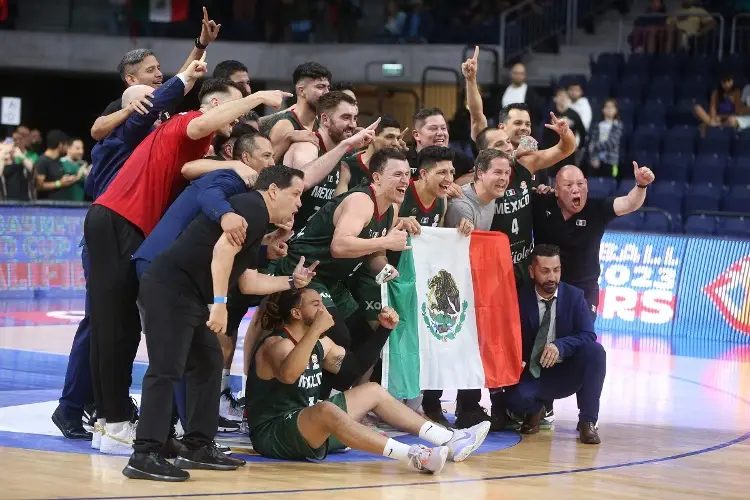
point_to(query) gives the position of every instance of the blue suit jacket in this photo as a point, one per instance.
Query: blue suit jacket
(574, 325)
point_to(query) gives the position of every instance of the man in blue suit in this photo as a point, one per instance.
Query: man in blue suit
(560, 351)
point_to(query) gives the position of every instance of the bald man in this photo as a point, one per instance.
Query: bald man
(108, 156)
(565, 217)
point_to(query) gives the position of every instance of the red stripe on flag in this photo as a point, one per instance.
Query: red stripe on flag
(180, 10)
(496, 306)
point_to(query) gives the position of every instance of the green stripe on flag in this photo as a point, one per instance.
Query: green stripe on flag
(403, 343)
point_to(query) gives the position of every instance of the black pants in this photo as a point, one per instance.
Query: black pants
(179, 343)
(115, 323)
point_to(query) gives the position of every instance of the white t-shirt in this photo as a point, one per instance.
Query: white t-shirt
(515, 94)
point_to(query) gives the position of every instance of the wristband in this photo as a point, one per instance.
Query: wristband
(640, 186)
(291, 283)
(220, 300)
(199, 45)
(58, 184)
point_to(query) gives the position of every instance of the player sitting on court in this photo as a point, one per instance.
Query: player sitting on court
(286, 419)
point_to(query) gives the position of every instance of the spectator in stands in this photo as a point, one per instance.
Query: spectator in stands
(743, 111)
(17, 167)
(726, 101)
(35, 142)
(693, 23)
(650, 32)
(235, 71)
(580, 104)
(604, 142)
(550, 138)
(74, 164)
(22, 141)
(51, 179)
(520, 91)
(395, 20)
(419, 23)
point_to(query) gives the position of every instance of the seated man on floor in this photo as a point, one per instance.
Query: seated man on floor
(288, 421)
(560, 351)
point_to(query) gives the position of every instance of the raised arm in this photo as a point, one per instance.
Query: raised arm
(538, 160)
(635, 198)
(473, 96)
(209, 33)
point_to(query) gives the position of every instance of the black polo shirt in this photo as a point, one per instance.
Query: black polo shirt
(461, 162)
(579, 238)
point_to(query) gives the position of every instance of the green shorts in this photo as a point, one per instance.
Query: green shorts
(334, 294)
(366, 292)
(280, 438)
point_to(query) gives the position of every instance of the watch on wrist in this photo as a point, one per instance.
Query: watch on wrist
(641, 186)
(291, 283)
(199, 45)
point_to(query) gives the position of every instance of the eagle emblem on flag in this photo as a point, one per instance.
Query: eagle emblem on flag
(443, 312)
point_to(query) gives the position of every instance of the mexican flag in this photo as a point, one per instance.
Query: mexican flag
(168, 11)
(459, 325)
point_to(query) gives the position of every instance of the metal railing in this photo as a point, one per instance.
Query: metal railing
(667, 37)
(740, 36)
(523, 26)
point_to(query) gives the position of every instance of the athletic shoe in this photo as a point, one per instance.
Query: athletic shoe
(89, 415)
(226, 425)
(172, 446)
(206, 458)
(154, 467)
(229, 407)
(438, 416)
(118, 438)
(465, 441)
(98, 434)
(134, 417)
(548, 417)
(466, 419)
(226, 450)
(430, 460)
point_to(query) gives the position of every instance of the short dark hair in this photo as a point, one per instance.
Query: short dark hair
(278, 308)
(380, 159)
(423, 114)
(505, 112)
(281, 175)
(386, 122)
(330, 101)
(250, 116)
(431, 155)
(132, 58)
(55, 138)
(218, 85)
(241, 129)
(484, 160)
(237, 131)
(482, 141)
(225, 69)
(342, 86)
(311, 70)
(247, 143)
(545, 250)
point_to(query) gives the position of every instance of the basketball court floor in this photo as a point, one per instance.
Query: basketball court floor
(675, 424)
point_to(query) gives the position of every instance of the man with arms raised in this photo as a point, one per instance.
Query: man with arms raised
(321, 162)
(289, 419)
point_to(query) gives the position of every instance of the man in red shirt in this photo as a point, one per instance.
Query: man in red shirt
(117, 224)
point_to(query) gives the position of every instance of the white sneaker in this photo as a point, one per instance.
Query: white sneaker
(229, 407)
(465, 441)
(97, 433)
(430, 460)
(118, 439)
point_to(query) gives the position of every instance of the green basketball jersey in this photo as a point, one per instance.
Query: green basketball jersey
(286, 115)
(514, 217)
(413, 207)
(314, 240)
(360, 172)
(270, 399)
(316, 197)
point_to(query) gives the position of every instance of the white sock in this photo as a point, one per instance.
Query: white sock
(397, 451)
(101, 422)
(435, 434)
(244, 384)
(224, 379)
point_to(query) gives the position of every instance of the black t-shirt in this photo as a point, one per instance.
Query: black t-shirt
(52, 170)
(579, 237)
(187, 263)
(18, 182)
(461, 162)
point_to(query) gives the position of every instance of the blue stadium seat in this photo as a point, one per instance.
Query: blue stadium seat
(718, 141)
(637, 65)
(624, 188)
(666, 64)
(601, 187)
(599, 87)
(667, 196)
(661, 88)
(699, 65)
(643, 158)
(734, 227)
(654, 222)
(738, 171)
(734, 64)
(680, 139)
(673, 167)
(737, 199)
(629, 222)
(570, 78)
(648, 137)
(700, 225)
(683, 113)
(742, 144)
(609, 64)
(703, 197)
(709, 169)
(693, 88)
(631, 87)
(654, 112)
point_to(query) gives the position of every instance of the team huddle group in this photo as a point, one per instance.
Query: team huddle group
(303, 213)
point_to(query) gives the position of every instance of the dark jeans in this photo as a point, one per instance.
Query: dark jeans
(179, 343)
(115, 323)
(581, 374)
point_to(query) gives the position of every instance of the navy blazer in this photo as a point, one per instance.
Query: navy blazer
(574, 325)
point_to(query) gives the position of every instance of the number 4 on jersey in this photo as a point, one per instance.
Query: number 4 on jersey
(514, 226)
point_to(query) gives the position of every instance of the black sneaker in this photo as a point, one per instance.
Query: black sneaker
(172, 446)
(134, 417)
(226, 425)
(206, 458)
(470, 418)
(438, 416)
(153, 466)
